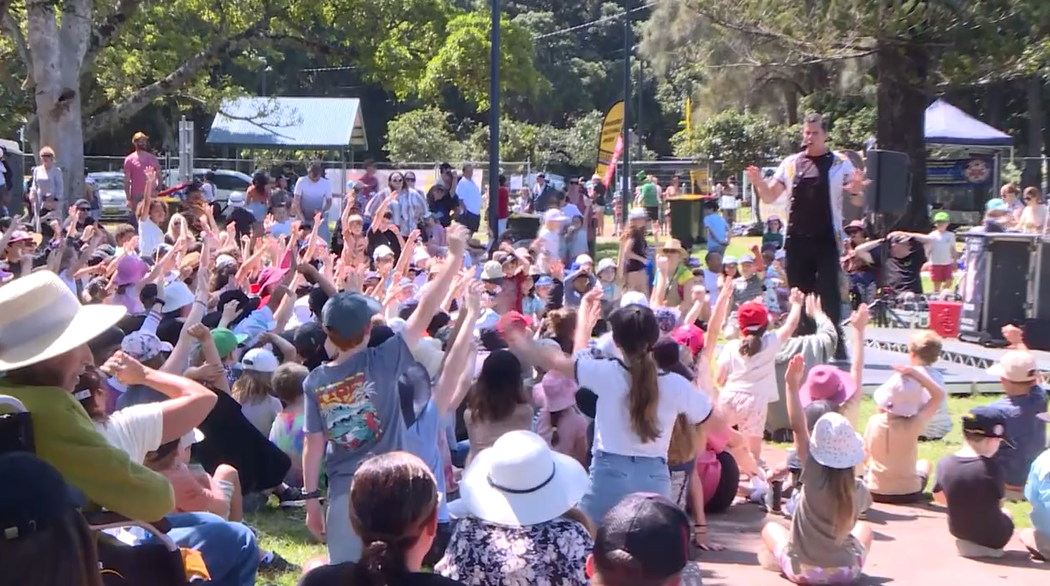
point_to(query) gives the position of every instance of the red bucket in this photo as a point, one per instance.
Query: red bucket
(944, 318)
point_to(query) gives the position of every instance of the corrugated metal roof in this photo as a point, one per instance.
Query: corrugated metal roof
(276, 122)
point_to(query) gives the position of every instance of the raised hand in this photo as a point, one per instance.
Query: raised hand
(813, 307)
(472, 296)
(754, 174)
(793, 375)
(125, 369)
(797, 297)
(457, 239)
(199, 331)
(860, 317)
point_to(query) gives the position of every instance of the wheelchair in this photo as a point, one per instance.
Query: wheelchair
(157, 563)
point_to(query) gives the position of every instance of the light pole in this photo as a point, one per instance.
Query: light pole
(493, 211)
(626, 133)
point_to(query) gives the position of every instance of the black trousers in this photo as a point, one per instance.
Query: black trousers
(812, 266)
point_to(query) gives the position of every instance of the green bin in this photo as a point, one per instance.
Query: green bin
(687, 219)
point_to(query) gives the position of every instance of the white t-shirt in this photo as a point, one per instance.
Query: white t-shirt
(137, 430)
(208, 191)
(262, 414)
(551, 243)
(312, 194)
(711, 284)
(610, 381)
(300, 313)
(755, 375)
(941, 246)
(150, 237)
(470, 195)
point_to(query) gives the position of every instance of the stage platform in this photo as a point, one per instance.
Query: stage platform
(963, 364)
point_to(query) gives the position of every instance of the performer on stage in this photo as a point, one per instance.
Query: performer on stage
(814, 181)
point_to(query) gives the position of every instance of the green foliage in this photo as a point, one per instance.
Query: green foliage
(737, 139)
(464, 59)
(423, 135)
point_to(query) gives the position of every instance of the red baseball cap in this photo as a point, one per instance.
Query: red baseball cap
(690, 336)
(751, 317)
(513, 320)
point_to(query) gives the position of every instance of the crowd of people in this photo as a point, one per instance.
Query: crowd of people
(453, 413)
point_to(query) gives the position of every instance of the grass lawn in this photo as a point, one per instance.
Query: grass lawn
(285, 530)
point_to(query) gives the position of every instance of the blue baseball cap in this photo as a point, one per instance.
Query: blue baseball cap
(544, 281)
(348, 314)
(996, 205)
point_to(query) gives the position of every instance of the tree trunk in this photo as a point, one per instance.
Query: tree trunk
(57, 50)
(901, 121)
(1032, 175)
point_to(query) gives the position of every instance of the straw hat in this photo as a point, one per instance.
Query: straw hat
(520, 481)
(40, 318)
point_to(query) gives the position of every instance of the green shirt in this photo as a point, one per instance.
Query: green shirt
(650, 196)
(65, 437)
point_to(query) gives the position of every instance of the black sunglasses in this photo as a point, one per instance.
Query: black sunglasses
(410, 177)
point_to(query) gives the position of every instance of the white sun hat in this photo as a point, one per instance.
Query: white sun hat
(902, 396)
(520, 481)
(176, 296)
(40, 318)
(835, 444)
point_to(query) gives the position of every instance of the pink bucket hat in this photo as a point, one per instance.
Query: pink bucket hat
(130, 269)
(556, 392)
(827, 383)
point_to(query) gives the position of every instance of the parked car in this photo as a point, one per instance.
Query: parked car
(110, 188)
(226, 181)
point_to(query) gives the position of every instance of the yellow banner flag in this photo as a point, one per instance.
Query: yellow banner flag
(612, 127)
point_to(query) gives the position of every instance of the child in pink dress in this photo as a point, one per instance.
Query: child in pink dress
(560, 421)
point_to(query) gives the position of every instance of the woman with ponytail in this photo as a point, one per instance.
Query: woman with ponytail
(636, 407)
(393, 507)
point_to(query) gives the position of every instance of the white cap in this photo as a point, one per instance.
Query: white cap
(554, 216)
(585, 259)
(603, 264)
(382, 251)
(634, 298)
(259, 360)
(779, 255)
(235, 199)
(488, 320)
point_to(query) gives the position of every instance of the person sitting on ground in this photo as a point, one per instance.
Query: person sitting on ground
(196, 490)
(970, 483)
(43, 530)
(287, 430)
(1025, 434)
(393, 507)
(643, 540)
(1037, 492)
(519, 522)
(560, 421)
(924, 350)
(826, 542)
(254, 388)
(905, 403)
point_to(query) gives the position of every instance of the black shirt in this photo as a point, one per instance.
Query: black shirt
(637, 247)
(344, 574)
(242, 219)
(902, 275)
(443, 208)
(810, 216)
(974, 487)
(377, 238)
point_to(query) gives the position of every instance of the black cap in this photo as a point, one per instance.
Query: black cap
(34, 499)
(985, 421)
(645, 538)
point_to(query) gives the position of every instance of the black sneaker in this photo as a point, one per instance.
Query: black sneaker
(290, 497)
(273, 563)
(773, 496)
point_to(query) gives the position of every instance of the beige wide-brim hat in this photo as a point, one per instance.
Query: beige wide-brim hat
(40, 318)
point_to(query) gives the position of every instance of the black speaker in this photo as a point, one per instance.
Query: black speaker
(1008, 286)
(888, 191)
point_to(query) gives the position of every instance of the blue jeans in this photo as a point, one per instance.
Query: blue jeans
(460, 451)
(229, 549)
(342, 541)
(614, 476)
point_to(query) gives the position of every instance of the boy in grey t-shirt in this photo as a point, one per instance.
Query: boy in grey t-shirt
(352, 403)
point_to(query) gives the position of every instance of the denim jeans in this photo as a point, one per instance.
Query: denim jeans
(614, 476)
(460, 450)
(229, 549)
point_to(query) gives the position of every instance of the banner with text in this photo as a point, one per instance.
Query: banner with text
(610, 143)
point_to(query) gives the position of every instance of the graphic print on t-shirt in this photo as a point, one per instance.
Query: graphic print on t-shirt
(349, 414)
